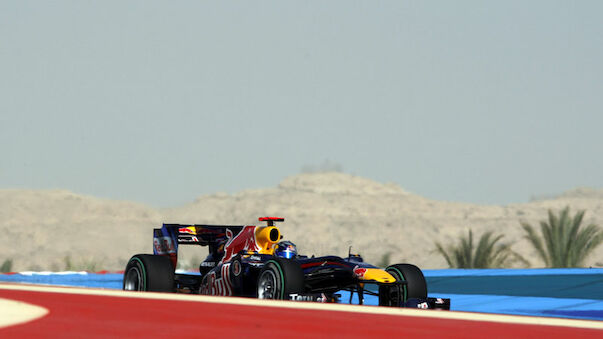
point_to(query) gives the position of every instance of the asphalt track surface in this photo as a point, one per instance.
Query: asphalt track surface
(95, 313)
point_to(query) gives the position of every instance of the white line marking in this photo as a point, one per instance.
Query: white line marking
(14, 312)
(498, 318)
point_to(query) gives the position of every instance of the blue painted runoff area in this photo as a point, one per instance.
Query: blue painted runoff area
(78, 279)
(567, 293)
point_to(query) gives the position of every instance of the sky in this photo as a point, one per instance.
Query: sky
(488, 102)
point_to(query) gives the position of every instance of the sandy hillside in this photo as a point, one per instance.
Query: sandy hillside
(324, 213)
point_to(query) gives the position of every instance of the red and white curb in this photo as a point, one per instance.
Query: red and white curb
(101, 313)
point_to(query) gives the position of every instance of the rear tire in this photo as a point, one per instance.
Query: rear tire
(146, 272)
(415, 286)
(279, 278)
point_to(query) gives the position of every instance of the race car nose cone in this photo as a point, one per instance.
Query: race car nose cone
(375, 274)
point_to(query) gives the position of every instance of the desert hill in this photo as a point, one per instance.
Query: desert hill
(325, 213)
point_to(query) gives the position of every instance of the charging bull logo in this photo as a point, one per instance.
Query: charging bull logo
(359, 272)
(244, 241)
(187, 230)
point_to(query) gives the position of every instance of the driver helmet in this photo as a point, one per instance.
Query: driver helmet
(286, 249)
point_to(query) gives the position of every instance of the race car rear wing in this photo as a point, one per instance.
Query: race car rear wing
(167, 238)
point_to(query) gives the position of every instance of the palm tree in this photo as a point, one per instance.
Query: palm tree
(6, 266)
(563, 243)
(488, 254)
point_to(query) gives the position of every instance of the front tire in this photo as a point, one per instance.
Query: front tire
(146, 272)
(415, 286)
(279, 278)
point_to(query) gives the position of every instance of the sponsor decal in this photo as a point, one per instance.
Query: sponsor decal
(236, 268)
(423, 305)
(308, 297)
(214, 285)
(188, 239)
(359, 271)
(186, 230)
(164, 245)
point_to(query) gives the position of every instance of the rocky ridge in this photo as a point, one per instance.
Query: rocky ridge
(324, 213)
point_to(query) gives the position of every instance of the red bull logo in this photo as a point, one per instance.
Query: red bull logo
(244, 241)
(213, 285)
(359, 271)
(186, 230)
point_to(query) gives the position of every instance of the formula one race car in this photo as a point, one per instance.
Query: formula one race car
(252, 261)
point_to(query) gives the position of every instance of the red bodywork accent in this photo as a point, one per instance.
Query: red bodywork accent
(271, 220)
(359, 271)
(244, 241)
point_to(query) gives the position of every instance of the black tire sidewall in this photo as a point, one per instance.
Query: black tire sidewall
(135, 263)
(289, 277)
(157, 272)
(415, 286)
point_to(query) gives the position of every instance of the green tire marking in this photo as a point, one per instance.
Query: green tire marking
(405, 286)
(278, 266)
(144, 273)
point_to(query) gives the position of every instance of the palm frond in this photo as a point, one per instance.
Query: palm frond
(536, 241)
(440, 249)
(488, 253)
(562, 241)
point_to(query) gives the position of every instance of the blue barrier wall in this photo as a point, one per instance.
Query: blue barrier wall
(553, 283)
